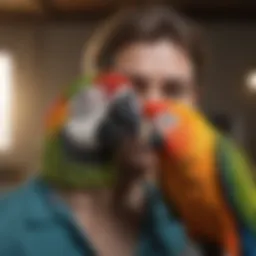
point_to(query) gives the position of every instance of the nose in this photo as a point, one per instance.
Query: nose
(154, 91)
(152, 94)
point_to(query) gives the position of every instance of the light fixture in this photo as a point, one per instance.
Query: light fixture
(251, 81)
(5, 100)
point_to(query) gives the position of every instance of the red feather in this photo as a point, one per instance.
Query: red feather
(112, 81)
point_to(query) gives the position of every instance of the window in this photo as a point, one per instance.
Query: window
(5, 100)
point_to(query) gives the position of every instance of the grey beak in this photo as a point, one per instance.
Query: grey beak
(122, 120)
(156, 141)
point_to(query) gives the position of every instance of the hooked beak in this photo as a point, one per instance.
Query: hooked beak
(122, 121)
(150, 133)
(126, 119)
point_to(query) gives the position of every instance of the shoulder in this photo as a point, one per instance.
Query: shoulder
(166, 227)
(9, 244)
(12, 203)
(11, 219)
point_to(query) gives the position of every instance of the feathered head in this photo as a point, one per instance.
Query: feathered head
(84, 129)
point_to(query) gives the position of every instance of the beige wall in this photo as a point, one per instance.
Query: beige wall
(21, 43)
(48, 57)
(233, 54)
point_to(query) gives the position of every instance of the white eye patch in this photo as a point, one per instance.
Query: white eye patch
(87, 102)
(85, 114)
(165, 122)
(82, 130)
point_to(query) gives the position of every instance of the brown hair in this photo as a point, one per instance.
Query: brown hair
(146, 24)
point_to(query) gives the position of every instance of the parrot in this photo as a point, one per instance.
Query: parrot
(85, 127)
(81, 137)
(204, 177)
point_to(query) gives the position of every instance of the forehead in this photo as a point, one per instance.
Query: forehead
(161, 58)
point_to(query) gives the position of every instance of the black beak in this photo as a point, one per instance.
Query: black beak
(122, 121)
(156, 141)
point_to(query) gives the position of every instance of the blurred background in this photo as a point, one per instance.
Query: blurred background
(41, 44)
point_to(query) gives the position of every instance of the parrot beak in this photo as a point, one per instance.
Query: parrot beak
(156, 141)
(122, 121)
(150, 136)
(126, 112)
(150, 110)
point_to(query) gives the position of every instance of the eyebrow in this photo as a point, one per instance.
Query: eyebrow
(180, 80)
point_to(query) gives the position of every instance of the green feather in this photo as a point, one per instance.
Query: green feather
(238, 181)
(59, 169)
(77, 86)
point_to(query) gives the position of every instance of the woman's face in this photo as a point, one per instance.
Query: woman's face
(158, 70)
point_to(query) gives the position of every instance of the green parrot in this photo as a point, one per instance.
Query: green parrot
(81, 139)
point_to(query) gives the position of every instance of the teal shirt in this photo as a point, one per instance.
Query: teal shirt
(34, 223)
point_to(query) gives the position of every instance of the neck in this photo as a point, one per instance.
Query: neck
(93, 200)
(126, 201)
